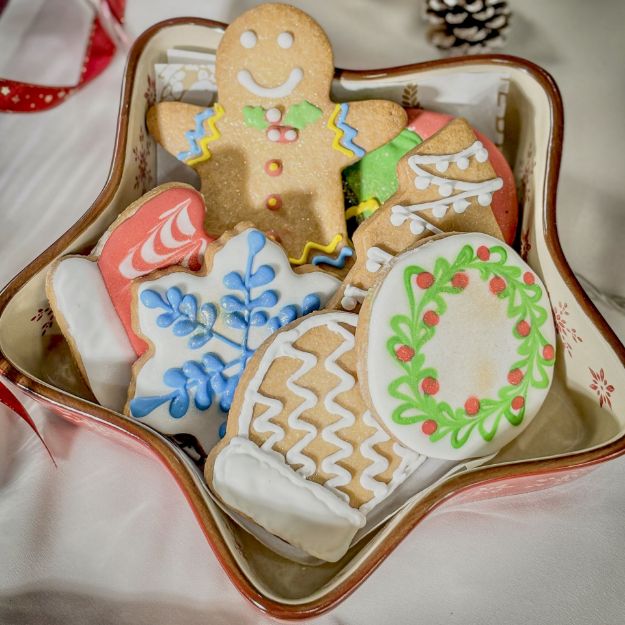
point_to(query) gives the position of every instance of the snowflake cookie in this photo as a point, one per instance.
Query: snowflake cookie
(456, 346)
(203, 328)
(302, 455)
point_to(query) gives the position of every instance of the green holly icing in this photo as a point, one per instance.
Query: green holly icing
(254, 117)
(375, 174)
(417, 387)
(301, 115)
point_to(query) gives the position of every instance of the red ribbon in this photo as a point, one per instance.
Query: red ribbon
(22, 97)
(13, 403)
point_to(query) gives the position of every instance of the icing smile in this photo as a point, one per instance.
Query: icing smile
(246, 80)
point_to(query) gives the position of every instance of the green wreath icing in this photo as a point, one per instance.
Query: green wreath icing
(416, 388)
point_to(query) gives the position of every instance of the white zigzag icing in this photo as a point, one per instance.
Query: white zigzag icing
(347, 419)
(264, 424)
(409, 462)
(295, 455)
(379, 463)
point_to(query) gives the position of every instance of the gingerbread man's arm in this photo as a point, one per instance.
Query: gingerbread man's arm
(376, 122)
(182, 129)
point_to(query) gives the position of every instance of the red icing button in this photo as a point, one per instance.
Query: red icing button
(425, 280)
(548, 352)
(429, 427)
(528, 277)
(497, 285)
(517, 403)
(472, 406)
(523, 328)
(273, 202)
(515, 377)
(483, 253)
(405, 353)
(460, 280)
(431, 318)
(430, 386)
(273, 167)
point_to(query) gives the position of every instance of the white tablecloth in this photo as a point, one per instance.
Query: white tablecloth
(108, 538)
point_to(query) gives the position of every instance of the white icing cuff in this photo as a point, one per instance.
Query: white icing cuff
(262, 486)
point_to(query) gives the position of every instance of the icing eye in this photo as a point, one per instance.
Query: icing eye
(285, 40)
(248, 39)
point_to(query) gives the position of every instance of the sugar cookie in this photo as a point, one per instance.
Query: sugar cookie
(202, 328)
(456, 346)
(302, 455)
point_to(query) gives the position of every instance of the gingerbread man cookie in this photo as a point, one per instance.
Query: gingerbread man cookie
(456, 346)
(445, 184)
(90, 295)
(302, 455)
(272, 149)
(202, 328)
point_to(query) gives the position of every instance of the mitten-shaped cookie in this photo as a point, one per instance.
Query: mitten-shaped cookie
(302, 455)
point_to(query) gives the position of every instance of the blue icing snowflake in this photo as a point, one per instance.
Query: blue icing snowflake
(209, 379)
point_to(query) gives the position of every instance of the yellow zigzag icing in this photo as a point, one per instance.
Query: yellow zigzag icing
(338, 132)
(213, 136)
(368, 206)
(311, 245)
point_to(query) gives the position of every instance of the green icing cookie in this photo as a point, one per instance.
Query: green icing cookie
(375, 175)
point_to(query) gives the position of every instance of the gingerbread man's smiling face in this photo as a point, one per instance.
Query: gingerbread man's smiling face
(273, 54)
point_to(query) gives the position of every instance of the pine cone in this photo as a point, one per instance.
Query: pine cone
(467, 26)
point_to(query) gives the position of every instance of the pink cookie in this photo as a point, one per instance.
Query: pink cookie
(504, 205)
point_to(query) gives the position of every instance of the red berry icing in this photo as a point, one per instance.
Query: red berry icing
(273, 167)
(430, 386)
(429, 427)
(425, 280)
(515, 377)
(548, 352)
(517, 403)
(523, 328)
(460, 280)
(528, 277)
(472, 406)
(405, 353)
(483, 253)
(497, 285)
(431, 318)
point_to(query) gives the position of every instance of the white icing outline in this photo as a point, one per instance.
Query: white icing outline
(352, 296)
(246, 80)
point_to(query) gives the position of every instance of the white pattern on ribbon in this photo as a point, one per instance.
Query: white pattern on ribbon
(178, 216)
(346, 418)
(352, 296)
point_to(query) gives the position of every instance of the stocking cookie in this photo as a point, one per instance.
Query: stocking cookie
(203, 328)
(272, 149)
(373, 180)
(456, 346)
(445, 184)
(90, 295)
(302, 455)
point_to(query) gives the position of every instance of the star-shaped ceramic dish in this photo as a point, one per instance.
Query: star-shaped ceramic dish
(581, 425)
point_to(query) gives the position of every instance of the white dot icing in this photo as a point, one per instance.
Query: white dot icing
(273, 134)
(285, 40)
(248, 39)
(273, 115)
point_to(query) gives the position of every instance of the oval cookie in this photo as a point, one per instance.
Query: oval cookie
(456, 346)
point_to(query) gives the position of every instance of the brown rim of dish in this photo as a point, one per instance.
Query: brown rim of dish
(74, 407)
